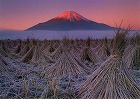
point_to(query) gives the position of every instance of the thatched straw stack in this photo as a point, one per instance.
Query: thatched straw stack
(132, 56)
(66, 65)
(75, 50)
(33, 52)
(3, 64)
(17, 49)
(2, 51)
(44, 44)
(47, 51)
(89, 55)
(6, 49)
(136, 57)
(112, 79)
(28, 56)
(103, 50)
(38, 57)
(128, 55)
(24, 50)
(60, 49)
(36, 54)
(56, 44)
(57, 53)
(44, 60)
(132, 52)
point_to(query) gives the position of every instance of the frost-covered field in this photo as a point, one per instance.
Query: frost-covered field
(83, 68)
(42, 34)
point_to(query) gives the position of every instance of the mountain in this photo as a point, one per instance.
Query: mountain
(70, 20)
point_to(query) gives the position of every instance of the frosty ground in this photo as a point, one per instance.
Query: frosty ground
(71, 68)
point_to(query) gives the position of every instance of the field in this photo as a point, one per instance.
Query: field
(107, 68)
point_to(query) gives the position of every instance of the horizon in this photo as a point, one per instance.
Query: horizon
(22, 14)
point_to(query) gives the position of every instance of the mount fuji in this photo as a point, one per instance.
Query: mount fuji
(70, 20)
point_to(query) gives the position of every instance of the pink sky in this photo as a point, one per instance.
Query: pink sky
(22, 14)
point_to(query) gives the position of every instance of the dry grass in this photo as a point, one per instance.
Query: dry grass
(66, 65)
(110, 81)
(70, 69)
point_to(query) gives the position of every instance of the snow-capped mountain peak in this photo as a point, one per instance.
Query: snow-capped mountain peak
(70, 20)
(72, 16)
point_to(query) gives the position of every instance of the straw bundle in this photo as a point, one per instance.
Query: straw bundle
(103, 53)
(39, 57)
(110, 81)
(47, 52)
(128, 55)
(136, 57)
(5, 47)
(2, 52)
(57, 53)
(56, 44)
(103, 50)
(66, 65)
(36, 55)
(24, 50)
(43, 60)
(3, 64)
(88, 55)
(44, 44)
(119, 42)
(76, 51)
(17, 49)
(28, 56)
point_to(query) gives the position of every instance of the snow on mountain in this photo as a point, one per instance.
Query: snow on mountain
(72, 16)
(70, 20)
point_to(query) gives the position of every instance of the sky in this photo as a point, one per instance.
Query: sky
(22, 14)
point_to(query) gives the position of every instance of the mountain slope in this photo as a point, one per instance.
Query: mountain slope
(70, 20)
